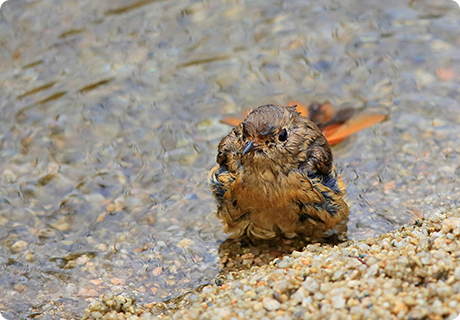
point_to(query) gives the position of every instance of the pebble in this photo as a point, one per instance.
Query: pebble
(338, 302)
(285, 263)
(19, 246)
(271, 304)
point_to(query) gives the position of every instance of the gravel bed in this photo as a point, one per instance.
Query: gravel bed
(411, 273)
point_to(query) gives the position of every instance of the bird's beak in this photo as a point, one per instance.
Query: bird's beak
(251, 147)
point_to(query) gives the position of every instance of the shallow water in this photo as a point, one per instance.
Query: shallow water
(109, 121)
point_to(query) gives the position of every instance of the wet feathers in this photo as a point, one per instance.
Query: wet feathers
(275, 175)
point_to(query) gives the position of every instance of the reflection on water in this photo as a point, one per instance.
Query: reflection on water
(109, 123)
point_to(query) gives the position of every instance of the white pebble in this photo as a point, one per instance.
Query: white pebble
(372, 271)
(457, 273)
(338, 301)
(271, 304)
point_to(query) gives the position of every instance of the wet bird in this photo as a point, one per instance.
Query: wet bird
(275, 176)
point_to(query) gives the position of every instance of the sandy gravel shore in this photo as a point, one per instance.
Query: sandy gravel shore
(411, 273)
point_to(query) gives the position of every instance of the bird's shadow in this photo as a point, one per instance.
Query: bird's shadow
(244, 253)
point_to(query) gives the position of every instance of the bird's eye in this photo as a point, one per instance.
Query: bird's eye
(283, 135)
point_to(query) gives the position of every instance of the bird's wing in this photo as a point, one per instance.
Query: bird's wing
(321, 201)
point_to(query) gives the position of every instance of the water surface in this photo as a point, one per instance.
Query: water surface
(109, 123)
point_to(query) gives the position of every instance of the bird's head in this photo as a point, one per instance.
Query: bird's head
(276, 135)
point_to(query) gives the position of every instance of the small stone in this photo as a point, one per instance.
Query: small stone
(96, 315)
(299, 296)
(116, 289)
(258, 306)
(338, 302)
(450, 224)
(312, 247)
(297, 254)
(71, 289)
(337, 275)
(457, 273)
(185, 243)
(271, 304)
(19, 246)
(372, 271)
(371, 241)
(117, 281)
(250, 294)
(399, 307)
(423, 79)
(285, 263)
(444, 292)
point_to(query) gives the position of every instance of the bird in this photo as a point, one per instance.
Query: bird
(275, 177)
